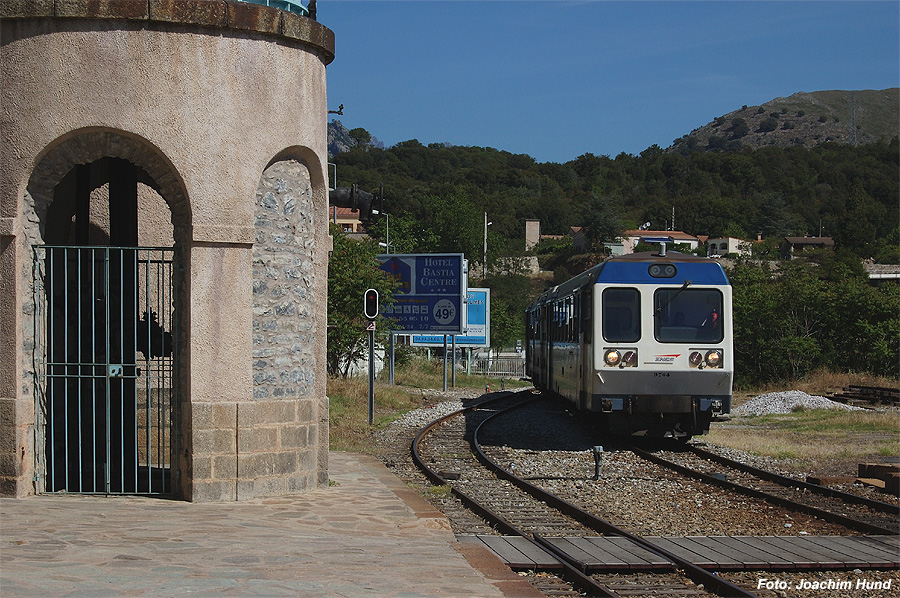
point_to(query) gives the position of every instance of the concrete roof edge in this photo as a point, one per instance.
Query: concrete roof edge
(221, 14)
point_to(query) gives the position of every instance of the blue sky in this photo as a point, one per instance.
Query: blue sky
(558, 79)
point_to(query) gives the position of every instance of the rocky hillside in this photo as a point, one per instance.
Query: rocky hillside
(807, 119)
(340, 140)
(804, 119)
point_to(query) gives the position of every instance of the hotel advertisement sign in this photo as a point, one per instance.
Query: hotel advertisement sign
(431, 295)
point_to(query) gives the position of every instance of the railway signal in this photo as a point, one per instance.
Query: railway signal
(370, 304)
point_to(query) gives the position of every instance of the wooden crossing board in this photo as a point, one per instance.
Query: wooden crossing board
(720, 553)
(515, 551)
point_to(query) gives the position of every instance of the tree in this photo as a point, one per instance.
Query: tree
(849, 193)
(858, 225)
(739, 128)
(715, 142)
(794, 320)
(768, 124)
(510, 296)
(773, 217)
(360, 135)
(600, 215)
(455, 223)
(352, 268)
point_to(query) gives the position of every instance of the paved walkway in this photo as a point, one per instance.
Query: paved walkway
(368, 535)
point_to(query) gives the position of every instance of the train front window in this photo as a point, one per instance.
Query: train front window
(683, 315)
(621, 315)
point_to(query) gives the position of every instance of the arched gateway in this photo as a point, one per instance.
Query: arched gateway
(163, 235)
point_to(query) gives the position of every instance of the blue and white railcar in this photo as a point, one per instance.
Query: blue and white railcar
(644, 339)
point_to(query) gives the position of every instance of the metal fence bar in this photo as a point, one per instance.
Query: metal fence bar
(135, 311)
(66, 356)
(93, 382)
(52, 395)
(107, 476)
(148, 436)
(506, 367)
(78, 293)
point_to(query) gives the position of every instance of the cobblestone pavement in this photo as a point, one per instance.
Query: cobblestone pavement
(365, 535)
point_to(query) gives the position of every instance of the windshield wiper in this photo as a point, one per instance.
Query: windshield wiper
(684, 286)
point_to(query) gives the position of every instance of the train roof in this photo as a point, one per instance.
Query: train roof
(627, 269)
(698, 270)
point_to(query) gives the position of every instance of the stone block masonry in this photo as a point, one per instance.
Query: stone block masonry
(268, 445)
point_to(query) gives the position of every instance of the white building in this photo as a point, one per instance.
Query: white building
(725, 245)
(630, 238)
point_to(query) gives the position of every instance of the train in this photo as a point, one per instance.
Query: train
(643, 340)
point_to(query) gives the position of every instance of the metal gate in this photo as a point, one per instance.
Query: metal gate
(105, 354)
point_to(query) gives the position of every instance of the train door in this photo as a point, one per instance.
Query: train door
(585, 342)
(549, 326)
(570, 354)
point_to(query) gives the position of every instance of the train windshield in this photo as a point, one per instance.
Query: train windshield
(621, 315)
(684, 315)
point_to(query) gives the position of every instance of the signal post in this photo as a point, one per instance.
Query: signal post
(370, 310)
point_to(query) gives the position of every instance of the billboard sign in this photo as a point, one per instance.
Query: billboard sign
(478, 324)
(431, 295)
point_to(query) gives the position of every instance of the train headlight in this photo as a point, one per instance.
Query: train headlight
(695, 358)
(611, 357)
(714, 358)
(629, 359)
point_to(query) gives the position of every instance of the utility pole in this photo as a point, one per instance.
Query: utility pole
(484, 255)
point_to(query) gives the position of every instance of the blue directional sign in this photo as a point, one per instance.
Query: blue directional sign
(430, 298)
(478, 322)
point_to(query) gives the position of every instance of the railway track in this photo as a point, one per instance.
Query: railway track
(449, 453)
(852, 511)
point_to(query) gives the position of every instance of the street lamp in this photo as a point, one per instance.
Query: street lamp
(484, 255)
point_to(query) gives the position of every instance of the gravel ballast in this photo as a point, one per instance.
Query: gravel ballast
(637, 494)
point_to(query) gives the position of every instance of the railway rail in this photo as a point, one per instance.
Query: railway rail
(852, 511)
(450, 454)
(527, 511)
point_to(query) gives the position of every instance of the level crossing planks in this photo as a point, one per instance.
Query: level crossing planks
(721, 553)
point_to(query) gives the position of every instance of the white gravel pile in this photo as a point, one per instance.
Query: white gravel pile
(787, 402)
(419, 418)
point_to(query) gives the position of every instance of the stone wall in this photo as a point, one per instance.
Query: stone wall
(283, 327)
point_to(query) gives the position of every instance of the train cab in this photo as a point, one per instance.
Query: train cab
(644, 339)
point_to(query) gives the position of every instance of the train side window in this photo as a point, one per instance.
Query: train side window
(621, 315)
(586, 327)
(687, 315)
(573, 320)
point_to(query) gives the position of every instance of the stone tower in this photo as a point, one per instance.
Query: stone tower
(163, 248)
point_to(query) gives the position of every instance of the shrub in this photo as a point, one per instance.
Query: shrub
(715, 142)
(769, 124)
